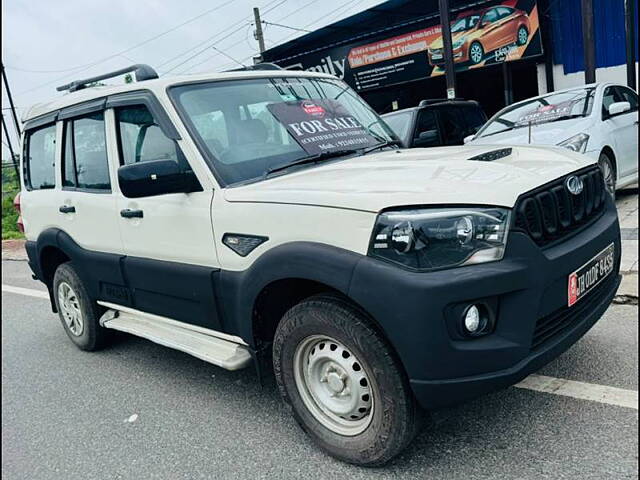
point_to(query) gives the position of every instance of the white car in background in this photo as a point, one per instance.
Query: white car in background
(599, 120)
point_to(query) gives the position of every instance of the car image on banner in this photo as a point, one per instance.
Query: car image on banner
(501, 31)
(497, 32)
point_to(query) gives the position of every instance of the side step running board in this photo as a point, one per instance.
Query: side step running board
(213, 347)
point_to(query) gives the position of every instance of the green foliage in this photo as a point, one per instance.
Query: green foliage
(9, 213)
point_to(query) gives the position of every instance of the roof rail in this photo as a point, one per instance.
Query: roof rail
(142, 72)
(257, 66)
(431, 101)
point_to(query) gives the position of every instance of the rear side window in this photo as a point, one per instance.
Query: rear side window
(85, 163)
(141, 139)
(473, 119)
(40, 158)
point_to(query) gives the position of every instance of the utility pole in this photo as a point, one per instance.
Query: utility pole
(259, 34)
(449, 67)
(10, 147)
(630, 16)
(16, 122)
(588, 41)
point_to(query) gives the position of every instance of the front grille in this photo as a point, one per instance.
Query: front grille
(551, 213)
(554, 324)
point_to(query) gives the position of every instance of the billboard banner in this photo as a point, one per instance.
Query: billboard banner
(496, 32)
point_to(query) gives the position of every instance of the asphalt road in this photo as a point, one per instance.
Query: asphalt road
(65, 414)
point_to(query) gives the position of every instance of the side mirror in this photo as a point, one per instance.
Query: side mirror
(468, 138)
(156, 177)
(619, 107)
(426, 138)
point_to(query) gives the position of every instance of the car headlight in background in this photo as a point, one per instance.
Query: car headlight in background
(577, 143)
(433, 239)
(457, 44)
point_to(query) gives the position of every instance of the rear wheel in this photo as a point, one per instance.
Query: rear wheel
(345, 387)
(523, 36)
(608, 169)
(476, 53)
(78, 313)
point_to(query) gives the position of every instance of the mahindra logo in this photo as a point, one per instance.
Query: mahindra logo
(574, 185)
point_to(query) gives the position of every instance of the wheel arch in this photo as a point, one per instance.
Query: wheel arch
(253, 301)
(608, 150)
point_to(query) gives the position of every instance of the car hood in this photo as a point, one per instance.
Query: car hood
(544, 134)
(420, 176)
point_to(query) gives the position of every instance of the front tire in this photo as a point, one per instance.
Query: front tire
(347, 390)
(607, 166)
(476, 53)
(78, 313)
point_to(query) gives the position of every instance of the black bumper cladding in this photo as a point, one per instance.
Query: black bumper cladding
(528, 291)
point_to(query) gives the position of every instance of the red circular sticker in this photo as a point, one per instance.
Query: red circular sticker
(311, 108)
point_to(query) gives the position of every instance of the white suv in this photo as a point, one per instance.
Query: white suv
(267, 216)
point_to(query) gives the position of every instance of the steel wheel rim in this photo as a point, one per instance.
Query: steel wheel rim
(522, 36)
(334, 385)
(69, 306)
(476, 53)
(607, 173)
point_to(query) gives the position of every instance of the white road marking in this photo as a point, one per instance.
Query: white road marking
(29, 292)
(539, 383)
(581, 390)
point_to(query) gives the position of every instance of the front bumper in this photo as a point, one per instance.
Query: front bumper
(528, 287)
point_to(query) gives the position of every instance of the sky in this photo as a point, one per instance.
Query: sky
(48, 43)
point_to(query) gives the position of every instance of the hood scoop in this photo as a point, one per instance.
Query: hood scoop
(492, 155)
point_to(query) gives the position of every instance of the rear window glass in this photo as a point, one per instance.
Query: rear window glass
(41, 156)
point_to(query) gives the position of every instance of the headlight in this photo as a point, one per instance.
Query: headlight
(433, 239)
(577, 143)
(457, 44)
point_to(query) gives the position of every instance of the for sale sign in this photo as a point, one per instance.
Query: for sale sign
(321, 125)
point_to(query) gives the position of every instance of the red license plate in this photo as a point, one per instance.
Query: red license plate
(587, 277)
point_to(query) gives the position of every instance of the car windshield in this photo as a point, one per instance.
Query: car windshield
(550, 108)
(465, 23)
(399, 123)
(248, 128)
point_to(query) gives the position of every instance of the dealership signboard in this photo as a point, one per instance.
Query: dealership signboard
(495, 32)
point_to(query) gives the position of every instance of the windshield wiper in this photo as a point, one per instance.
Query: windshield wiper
(310, 159)
(386, 143)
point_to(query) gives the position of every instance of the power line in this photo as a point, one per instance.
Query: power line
(77, 70)
(244, 20)
(285, 26)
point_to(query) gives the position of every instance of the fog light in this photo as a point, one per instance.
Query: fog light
(472, 320)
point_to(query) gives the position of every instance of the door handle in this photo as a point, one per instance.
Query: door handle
(67, 209)
(128, 213)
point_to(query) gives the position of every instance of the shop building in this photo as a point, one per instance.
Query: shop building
(504, 50)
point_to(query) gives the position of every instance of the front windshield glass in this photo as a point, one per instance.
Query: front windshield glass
(250, 127)
(550, 108)
(465, 23)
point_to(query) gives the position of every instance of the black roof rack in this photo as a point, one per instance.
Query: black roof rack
(432, 101)
(142, 72)
(257, 66)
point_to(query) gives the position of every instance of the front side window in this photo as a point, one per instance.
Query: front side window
(40, 158)
(85, 163)
(247, 128)
(628, 95)
(554, 107)
(465, 23)
(427, 133)
(141, 139)
(453, 126)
